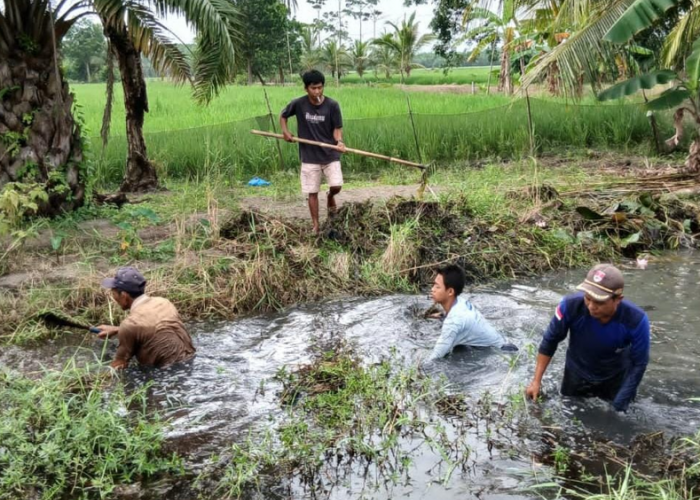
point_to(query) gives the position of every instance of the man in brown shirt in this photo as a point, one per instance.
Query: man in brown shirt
(153, 332)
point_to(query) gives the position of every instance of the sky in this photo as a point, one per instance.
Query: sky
(393, 10)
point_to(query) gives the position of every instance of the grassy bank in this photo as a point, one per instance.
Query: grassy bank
(214, 260)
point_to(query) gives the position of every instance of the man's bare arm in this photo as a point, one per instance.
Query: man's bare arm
(285, 129)
(533, 390)
(338, 136)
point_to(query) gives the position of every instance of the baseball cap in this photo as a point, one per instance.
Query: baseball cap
(602, 282)
(127, 279)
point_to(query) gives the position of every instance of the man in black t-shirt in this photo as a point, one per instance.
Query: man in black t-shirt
(318, 119)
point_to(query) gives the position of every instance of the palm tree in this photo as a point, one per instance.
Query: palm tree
(335, 57)
(588, 22)
(310, 53)
(359, 56)
(495, 28)
(384, 57)
(681, 37)
(406, 42)
(541, 23)
(40, 140)
(133, 29)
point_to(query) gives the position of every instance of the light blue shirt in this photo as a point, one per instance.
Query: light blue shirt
(464, 325)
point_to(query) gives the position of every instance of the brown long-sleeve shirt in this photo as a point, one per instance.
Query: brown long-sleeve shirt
(153, 333)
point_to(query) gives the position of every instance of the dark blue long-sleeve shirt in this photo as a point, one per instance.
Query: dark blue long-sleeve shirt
(599, 351)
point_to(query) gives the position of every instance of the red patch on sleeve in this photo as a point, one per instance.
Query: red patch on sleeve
(558, 313)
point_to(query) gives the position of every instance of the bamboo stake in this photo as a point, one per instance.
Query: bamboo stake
(347, 150)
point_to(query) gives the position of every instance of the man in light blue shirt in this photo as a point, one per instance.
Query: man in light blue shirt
(464, 324)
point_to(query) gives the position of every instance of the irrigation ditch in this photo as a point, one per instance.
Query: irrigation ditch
(342, 418)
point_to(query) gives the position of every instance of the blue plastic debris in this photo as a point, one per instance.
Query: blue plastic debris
(257, 181)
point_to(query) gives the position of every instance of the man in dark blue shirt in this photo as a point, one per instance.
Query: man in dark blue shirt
(608, 341)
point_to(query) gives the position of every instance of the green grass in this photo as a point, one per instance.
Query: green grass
(184, 141)
(463, 76)
(171, 107)
(71, 435)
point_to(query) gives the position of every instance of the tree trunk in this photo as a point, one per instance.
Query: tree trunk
(250, 73)
(553, 78)
(140, 173)
(505, 82)
(41, 141)
(87, 71)
(578, 89)
(692, 164)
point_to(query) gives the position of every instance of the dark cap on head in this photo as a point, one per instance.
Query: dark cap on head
(602, 282)
(127, 279)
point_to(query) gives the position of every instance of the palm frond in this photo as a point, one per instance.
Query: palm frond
(213, 68)
(483, 44)
(581, 53)
(681, 37)
(220, 25)
(479, 13)
(477, 32)
(149, 37)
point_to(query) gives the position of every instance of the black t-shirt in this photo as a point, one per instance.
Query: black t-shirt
(316, 123)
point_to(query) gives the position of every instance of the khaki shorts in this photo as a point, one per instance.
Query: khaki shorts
(311, 176)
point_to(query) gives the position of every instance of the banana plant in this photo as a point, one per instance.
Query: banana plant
(683, 96)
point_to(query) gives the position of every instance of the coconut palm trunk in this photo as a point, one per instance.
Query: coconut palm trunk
(40, 141)
(505, 82)
(140, 174)
(553, 79)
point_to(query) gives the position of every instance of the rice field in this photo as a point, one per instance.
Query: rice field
(172, 108)
(186, 139)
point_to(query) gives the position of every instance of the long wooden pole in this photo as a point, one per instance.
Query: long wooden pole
(347, 150)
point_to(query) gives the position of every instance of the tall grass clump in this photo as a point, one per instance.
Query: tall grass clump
(74, 434)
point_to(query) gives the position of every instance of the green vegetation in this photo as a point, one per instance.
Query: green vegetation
(448, 126)
(75, 434)
(171, 108)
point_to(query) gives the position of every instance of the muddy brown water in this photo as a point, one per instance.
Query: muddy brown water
(215, 400)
